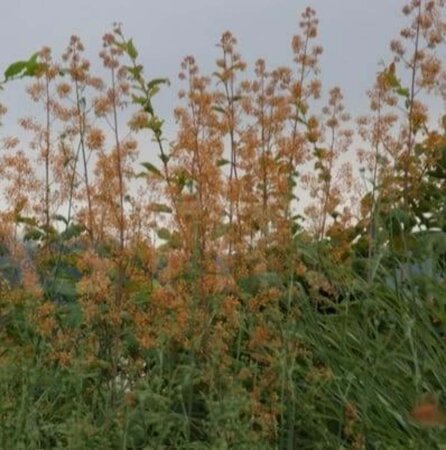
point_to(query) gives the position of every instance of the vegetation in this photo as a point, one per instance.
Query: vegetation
(274, 280)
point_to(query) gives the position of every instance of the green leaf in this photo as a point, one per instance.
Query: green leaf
(155, 125)
(219, 109)
(164, 158)
(131, 50)
(148, 108)
(33, 235)
(160, 207)
(181, 179)
(23, 68)
(135, 72)
(319, 153)
(156, 82)
(15, 69)
(403, 92)
(139, 100)
(164, 233)
(32, 66)
(222, 162)
(121, 45)
(72, 231)
(151, 168)
(393, 80)
(26, 220)
(60, 218)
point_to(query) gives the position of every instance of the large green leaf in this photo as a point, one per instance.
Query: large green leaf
(15, 69)
(20, 69)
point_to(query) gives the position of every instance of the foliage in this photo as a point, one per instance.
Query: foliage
(251, 288)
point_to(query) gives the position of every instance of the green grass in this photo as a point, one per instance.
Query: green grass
(379, 352)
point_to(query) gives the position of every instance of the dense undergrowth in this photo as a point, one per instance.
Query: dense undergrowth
(253, 289)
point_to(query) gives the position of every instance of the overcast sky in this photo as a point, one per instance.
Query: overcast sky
(354, 33)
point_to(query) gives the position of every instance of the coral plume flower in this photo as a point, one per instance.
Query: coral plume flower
(428, 413)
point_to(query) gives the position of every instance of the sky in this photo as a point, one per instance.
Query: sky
(355, 35)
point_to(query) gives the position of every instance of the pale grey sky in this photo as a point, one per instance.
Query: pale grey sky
(354, 33)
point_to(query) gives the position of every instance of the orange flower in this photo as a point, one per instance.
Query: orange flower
(95, 139)
(428, 413)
